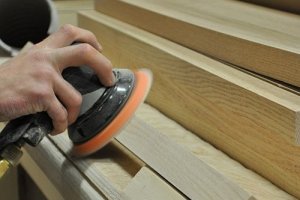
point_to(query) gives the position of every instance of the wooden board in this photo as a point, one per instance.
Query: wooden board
(253, 37)
(228, 189)
(68, 9)
(71, 0)
(233, 170)
(70, 182)
(148, 186)
(112, 169)
(251, 120)
(41, 180)
(191, 176)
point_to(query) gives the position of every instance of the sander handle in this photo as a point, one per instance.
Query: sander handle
(30, 129)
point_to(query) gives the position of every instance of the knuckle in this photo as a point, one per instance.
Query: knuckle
(89, 33)
(45, 73)
(61, 118)
(43, 94)
(76, 100)
(38, 55)
(86, 50)
(68, 30)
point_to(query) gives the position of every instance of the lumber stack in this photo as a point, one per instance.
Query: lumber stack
(252, 37)
(254, 121)
(152, 158)
(212, 62)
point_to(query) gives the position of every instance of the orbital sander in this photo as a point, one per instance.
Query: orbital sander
(104, 112)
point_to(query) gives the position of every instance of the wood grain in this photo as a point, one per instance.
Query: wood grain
(70, 182)
(148, 186)
(233, 170)
(109, 163)
(191, 176)
(251, 120)
(92, 166)
(110, 169)
(253, 37)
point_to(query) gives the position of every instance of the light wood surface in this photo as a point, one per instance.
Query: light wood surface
(38, 176)
(233, 170)
(256, 38)
(94, 173)
(119, 170)
(70, 182)
(251, 120)
(109, 168)
(67, 10)
(148, 186)
(191, 176)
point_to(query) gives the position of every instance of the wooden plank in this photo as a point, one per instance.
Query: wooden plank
(253, 37)
(251, 120)
(67, 10)
(102, 162)
(148, 186)
(250, 181)
(245, 178)
(92, 170)
(70, 182)
(287, 5)
(189, 175)
(39, 177)
(107, 169)
(70, 0)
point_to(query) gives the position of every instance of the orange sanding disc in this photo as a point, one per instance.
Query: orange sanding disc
(143, 81)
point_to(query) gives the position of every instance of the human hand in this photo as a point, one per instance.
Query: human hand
(31, 82)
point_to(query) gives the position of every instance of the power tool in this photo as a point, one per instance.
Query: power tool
(104, 112)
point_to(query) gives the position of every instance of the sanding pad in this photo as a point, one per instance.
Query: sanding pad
(143, 82)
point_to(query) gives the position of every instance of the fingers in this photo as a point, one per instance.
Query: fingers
(70, 98)
(64, 105)
(85, 54)
(69, 34)
(58, 114)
